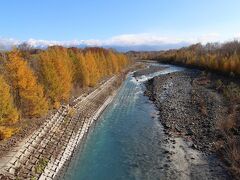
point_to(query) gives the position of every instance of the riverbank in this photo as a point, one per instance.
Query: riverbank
(26, 127)
(192, 107)
(128, 141)
(44, 153)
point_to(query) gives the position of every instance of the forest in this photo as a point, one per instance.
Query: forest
(34, 81)
(224, 58)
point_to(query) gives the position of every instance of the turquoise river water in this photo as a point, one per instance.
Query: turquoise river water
(126, 142)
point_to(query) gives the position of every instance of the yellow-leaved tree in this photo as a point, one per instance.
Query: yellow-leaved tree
(56, 74)
(81, 74)
(91, 68)
(28, 94)
(8, 112)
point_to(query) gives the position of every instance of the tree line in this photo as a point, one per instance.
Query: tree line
(32, 81)
(213, 56)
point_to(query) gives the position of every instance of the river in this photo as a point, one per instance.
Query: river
(128, 141)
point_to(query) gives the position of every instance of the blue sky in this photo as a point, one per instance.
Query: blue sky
(111, 21)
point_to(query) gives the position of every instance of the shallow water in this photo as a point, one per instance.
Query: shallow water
(127, 141)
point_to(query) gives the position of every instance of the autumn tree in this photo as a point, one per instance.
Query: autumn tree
(33, 79)
(56, 74)
(221, 57)
(8, 112)
(80, 72)
(91, 68)
(28, 94)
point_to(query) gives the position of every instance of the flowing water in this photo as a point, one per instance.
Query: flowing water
(127, 141)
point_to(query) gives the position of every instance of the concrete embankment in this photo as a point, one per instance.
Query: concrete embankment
(45, 152)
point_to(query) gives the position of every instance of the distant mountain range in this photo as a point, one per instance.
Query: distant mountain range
(147, 47)
(7, 44)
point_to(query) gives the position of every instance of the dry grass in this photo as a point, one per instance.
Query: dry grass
(227, 124)
(56, 105)
(229, 147)
(71, 112)
(7, 132)
(229, 144)
(231, 151)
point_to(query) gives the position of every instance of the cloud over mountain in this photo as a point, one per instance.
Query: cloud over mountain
(125, 42)
(7, 43)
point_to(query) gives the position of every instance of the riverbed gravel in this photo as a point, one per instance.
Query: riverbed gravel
(190, 109)
(186, 108)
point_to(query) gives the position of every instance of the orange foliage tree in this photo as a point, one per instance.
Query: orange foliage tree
(92, 68)
(31, 77)
(28, 94)
(221, 57)
(8, 112)
(56, 74)
(81, 73)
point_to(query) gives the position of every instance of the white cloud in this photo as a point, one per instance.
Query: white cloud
(151, 39)
(141, 39)
(120, 40)
(45, 43)
(237, 36)
(211, 37)
(7, 43)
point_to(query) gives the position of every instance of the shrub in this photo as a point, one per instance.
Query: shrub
(218, 84)
(6, 132)
(42, 163)
(232, 91)
(71, 112)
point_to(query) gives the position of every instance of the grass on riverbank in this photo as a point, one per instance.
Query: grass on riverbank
(229, 145)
